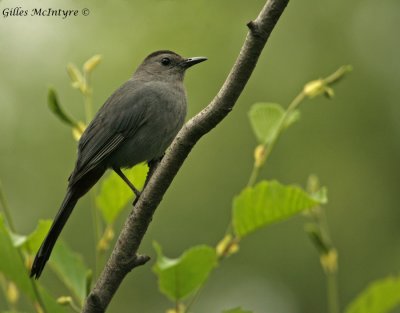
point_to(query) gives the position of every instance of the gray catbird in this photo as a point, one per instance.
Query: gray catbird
(137, 123)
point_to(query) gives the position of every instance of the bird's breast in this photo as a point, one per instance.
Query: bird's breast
(164, 117)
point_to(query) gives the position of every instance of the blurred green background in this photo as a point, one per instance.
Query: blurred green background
(352, 142)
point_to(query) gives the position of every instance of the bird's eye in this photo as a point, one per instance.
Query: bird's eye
(165, 61)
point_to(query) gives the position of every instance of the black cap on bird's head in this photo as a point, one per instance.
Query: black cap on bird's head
(166, 65)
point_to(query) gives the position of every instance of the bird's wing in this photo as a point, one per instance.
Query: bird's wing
(119, 118)
(96, 157)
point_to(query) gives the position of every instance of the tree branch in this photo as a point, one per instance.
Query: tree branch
(124, 255)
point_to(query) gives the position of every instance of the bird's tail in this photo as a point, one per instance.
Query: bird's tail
(47, 246)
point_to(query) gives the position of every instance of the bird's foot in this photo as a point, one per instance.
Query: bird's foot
(137, 198)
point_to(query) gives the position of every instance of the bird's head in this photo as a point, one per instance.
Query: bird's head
(166, 65)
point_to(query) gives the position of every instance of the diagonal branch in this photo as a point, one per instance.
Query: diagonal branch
(124, 256)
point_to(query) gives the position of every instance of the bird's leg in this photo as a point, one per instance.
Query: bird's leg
(126, 180)
(152, 168)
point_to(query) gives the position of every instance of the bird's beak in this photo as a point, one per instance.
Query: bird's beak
(192, 61)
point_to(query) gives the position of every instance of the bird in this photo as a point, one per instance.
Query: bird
(136, 124)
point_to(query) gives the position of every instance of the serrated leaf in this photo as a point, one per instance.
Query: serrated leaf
(381, 296)
(237, 310)
(13, 268)
(177, 278)
(71, 270)
(115, 194)
(265, 119)
(266, 203)
(55, 107)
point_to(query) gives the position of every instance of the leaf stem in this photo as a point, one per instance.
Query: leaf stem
(6, 209)
(74, 307)
(327, 252)
(88, 98)
(88, 106)
(195, 297)
(338, 75)
(332, 292)
(87, 93)
(96, 231)
(253, 176)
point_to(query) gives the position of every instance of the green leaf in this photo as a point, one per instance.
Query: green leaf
(115, 194)
(13, 268)
(33, 241)
(266, 203)
(55, 107)
(265, 119)
(11, 264)
(381, 296)
(71, 269)
(177, 278)
(237, 310)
